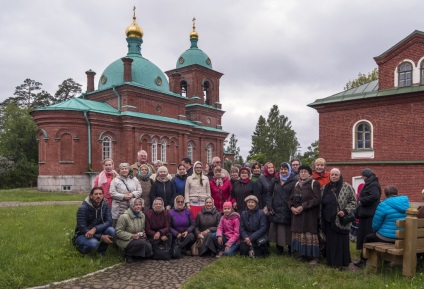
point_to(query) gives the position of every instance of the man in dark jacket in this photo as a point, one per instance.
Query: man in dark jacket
(94, 229)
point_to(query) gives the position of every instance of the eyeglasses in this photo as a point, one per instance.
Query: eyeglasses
(198, 168)
(180, 202)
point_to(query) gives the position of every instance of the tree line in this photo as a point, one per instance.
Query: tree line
(18, 144)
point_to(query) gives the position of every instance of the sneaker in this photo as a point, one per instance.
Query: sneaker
(220, 254)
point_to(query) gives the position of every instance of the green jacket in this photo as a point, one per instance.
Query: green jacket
(128, 225)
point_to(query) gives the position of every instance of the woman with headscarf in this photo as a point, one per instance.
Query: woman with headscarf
(368, 200)
(220, 188)
(197, 189)
(278, 208)
(130, 232)
(243, 188)
(180, 179)
(207, 221)
(264, 184)
(143, 174)
(122, 189)
(253, 230)
(163, 188)
(304, 203)
(337, 202)
(158, 224)
(182, 226)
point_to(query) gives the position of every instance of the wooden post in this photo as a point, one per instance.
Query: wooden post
(410, 251)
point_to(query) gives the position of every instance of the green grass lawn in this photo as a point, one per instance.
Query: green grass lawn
(36, 249)
(32, 195)
(287, 272)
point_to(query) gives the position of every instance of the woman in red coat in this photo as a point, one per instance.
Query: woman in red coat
(220, 189)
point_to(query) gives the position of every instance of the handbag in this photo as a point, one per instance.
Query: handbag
(262, 240)
(195, 249)
(346, 219)
(162, 251)
(176, 249)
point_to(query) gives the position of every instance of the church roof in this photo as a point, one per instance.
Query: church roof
(365, 91)
(80, 104)
(194, 55)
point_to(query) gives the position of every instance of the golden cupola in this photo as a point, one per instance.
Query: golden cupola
(134, 30)
(194, 34)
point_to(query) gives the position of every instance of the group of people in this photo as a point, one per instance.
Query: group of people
(306, 211)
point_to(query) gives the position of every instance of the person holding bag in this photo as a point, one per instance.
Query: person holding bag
(338, 204)
(130, 233)
(253, 230)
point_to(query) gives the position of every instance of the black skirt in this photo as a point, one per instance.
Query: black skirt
(139, 248)
(337, 247)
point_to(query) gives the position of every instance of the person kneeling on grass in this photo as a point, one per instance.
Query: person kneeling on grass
(253, 230)
(228, 232)
(130, 233)
(94, 231)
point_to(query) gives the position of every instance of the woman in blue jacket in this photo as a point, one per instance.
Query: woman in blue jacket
(388, 212)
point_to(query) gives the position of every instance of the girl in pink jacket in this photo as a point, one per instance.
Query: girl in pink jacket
(228, 234)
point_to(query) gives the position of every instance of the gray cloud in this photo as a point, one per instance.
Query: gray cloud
(271, 52)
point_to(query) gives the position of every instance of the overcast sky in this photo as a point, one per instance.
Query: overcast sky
(287, 52)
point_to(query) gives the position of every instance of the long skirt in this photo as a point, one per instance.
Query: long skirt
(306, 244)
(364, 229)
(337, 247)
(280, 234)
(208, 244)
(139, 248)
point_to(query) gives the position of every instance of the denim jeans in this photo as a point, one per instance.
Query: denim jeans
(85, 245)
(221, 248)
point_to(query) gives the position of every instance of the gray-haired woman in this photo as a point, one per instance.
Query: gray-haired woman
(122, 189)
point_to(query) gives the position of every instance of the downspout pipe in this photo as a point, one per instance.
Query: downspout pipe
(89, 140)
(119, 97)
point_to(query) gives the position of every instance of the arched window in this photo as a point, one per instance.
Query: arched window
(209, 152)
(190, 151)
(106, 148)
(154, 150)
(206, 88)
(163, 151)
(422, 72)
(183, 87)
(405, 74)
(363, 136)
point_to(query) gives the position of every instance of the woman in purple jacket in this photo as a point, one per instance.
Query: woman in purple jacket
(182, 226)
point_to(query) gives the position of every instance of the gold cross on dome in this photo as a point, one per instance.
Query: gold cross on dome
(194, 23)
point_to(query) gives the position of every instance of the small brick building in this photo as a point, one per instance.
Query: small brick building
(379, 125)
(134, 107)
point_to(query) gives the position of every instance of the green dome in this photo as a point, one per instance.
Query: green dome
(144, 72)
(194, 56)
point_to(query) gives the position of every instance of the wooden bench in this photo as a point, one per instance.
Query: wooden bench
(409, 242)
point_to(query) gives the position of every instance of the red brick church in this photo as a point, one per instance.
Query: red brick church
(379, 125)
(135, 106)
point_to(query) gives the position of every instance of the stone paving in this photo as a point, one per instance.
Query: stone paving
(145, 274)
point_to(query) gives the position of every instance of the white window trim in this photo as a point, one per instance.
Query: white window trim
(163, 151)
(415, 72)
(209, 153)
(154, 150)
(362, 153)
(104, 156)
(190, 151)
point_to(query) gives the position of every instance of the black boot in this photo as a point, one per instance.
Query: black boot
(128, 259)
(280, 250)
(361, 263)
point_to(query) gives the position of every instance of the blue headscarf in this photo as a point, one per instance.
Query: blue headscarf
(286, 165)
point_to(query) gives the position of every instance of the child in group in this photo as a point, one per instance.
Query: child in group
(228, 233)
